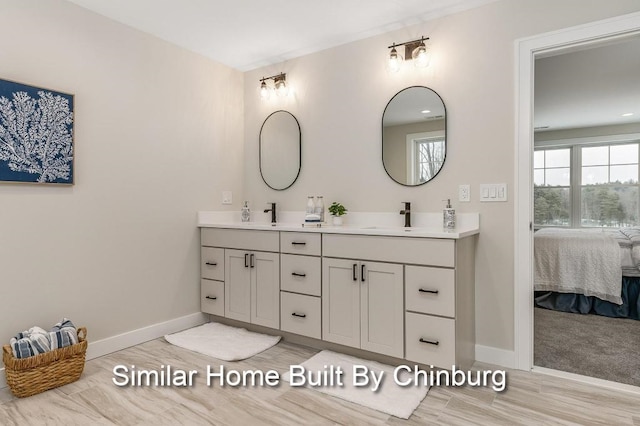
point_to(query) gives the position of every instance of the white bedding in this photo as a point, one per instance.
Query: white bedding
(578, 261)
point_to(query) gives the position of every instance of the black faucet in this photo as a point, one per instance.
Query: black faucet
(407, 214)
(273, 212)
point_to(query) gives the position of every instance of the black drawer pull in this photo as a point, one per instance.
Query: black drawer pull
(431, 342)
(251, 257)
(211, 263)
(210, 298)
(246, 260)
(422, 290)
(355, 277)
(362, 273)
(295, 243)
(295, 274)
(298, 315)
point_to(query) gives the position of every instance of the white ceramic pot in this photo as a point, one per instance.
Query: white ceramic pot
(337, 220)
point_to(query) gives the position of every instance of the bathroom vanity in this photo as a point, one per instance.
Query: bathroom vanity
(401, 293)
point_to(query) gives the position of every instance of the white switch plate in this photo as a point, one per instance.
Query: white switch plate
(227, 197)
(493, 192)
(464, 193)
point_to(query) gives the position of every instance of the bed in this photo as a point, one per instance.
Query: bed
(588, 271)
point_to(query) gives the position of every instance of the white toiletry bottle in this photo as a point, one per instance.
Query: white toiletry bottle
(245, 213)
(311, 210)
(448, 217)
(319, 210)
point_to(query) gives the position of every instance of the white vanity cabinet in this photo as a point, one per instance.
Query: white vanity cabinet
(406, 294)
(362, 305)
(251, 274)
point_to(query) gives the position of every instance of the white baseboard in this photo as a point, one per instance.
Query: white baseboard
(135, 337)
(491, 355)
(589, 380)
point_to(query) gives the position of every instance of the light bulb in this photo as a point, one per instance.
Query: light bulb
(281, 87)
(420, 55)
(395, 60)
(264, 90)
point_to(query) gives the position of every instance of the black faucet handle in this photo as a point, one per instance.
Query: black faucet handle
(407, 205)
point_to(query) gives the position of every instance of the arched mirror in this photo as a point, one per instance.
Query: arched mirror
(414, 136)
(280, 150)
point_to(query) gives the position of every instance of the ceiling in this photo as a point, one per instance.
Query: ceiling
(249, 34)
(589, 87)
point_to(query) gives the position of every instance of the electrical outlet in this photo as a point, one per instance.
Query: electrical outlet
(464, 193)
(227, 197)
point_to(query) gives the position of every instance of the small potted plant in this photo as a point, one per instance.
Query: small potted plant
(337, 210)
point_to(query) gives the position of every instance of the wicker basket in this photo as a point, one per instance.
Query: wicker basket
(38, 373)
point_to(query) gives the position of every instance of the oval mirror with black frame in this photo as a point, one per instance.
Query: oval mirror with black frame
(280, 150)
(414, 136)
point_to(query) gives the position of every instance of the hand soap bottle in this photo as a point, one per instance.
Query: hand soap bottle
(245, 213)
(448, 217)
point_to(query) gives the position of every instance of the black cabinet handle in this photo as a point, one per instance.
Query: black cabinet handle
(298, 315)
(246, 260)
(422, 290)
(211, 298)
(251, 257)
(295, 274)
(211, 263)
(298, 244)
(362, 273)
(355, 278)
(431, 342)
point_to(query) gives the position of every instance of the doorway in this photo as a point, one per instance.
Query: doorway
(527, 50)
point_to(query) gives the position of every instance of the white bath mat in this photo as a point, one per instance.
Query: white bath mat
(390, 398)
(222, 341)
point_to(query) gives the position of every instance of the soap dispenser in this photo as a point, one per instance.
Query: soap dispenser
(448, 217)
(245, 213)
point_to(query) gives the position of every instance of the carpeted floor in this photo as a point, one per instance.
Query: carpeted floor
(591, 345)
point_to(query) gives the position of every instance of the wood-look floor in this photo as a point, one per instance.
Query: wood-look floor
(530, 399)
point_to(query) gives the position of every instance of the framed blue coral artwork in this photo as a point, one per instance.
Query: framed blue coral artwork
(36, 135)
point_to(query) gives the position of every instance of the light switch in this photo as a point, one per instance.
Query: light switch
(493, 192)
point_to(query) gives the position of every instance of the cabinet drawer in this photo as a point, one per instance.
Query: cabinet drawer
(421, 329)
(430, 290)
(300, 314)
(300, 243)
(300, 274)
(420, 251)
(212, 263)
(241, 239)
(212, 297)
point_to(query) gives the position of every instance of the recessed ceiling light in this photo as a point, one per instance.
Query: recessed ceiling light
(425, 111)
(627, 114)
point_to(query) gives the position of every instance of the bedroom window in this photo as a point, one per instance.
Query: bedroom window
(609, 185)
(552, 187)
(587, 184)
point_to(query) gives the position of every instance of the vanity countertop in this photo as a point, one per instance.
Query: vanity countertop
(363, 224)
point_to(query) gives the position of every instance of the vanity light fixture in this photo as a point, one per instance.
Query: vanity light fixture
(279, 83)
(414, 49)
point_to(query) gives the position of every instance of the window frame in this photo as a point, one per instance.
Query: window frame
(575, 172)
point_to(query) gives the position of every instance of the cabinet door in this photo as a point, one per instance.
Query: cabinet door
(237, 285)
(382, 308)
(341, 301)
(265, 289)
